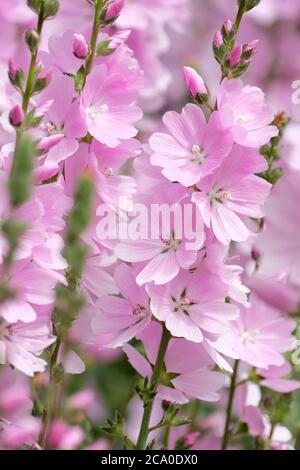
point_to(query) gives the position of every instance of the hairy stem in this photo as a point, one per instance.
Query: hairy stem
(144, 430)
(232, 389)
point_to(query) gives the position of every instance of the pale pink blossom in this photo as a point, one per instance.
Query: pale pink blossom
(233, 193)
(107, 105)
(64, 437)
(22, 343)
(164, 254)
(62, 124)
(258, 337)
(193, 148)
(193, 305)
(32, 286)
(244, 112)
(275, 378)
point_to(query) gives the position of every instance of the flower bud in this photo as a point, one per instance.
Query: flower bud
(113, 9)
(228, 26)
(43, 79)
(16, 76)
(218, 40)
(80, 46)
(249, 4)
(234, 56)
(194, 82)
(32, 39)
(228, 32)
(220, 49)
(16, 116)
(12, 71)
(50, 7)
(252, 46)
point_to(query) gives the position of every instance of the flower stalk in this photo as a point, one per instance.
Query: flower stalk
(148, 405)
(232, 389)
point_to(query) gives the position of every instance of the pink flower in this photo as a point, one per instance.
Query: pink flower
(194, 82)
(275, 378)
(22, 431)
(21, 343)
(32, 286)
(15, 394)
(193, 305)
(108, 108)
(122, 318)
(165, 252)
(82, 400)
(231, 193)
(80, 46)
(193, 378)
(60, 54)
(246, 402)
(243, 110)
(18, 428)
(64, 437)
(194, 149)
(63, 124)
(259, 336)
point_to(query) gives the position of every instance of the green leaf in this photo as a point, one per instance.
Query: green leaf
(79, 78)
(104, 49)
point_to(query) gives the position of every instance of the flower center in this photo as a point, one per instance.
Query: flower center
(198, 154)
(249, 336)
(107, 172)
(50, 128)
(220, 195)
(103, 108)
(183, 303)
(138, 309)
(94, 112)
(171, 244)
(241, 119)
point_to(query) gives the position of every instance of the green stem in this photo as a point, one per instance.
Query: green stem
(232, 389)
(144, 430)
(31, 72)
(240, 14)
(93, 42)
(166, 437)
(53, 391)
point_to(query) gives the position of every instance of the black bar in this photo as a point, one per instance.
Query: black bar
(136, 459)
